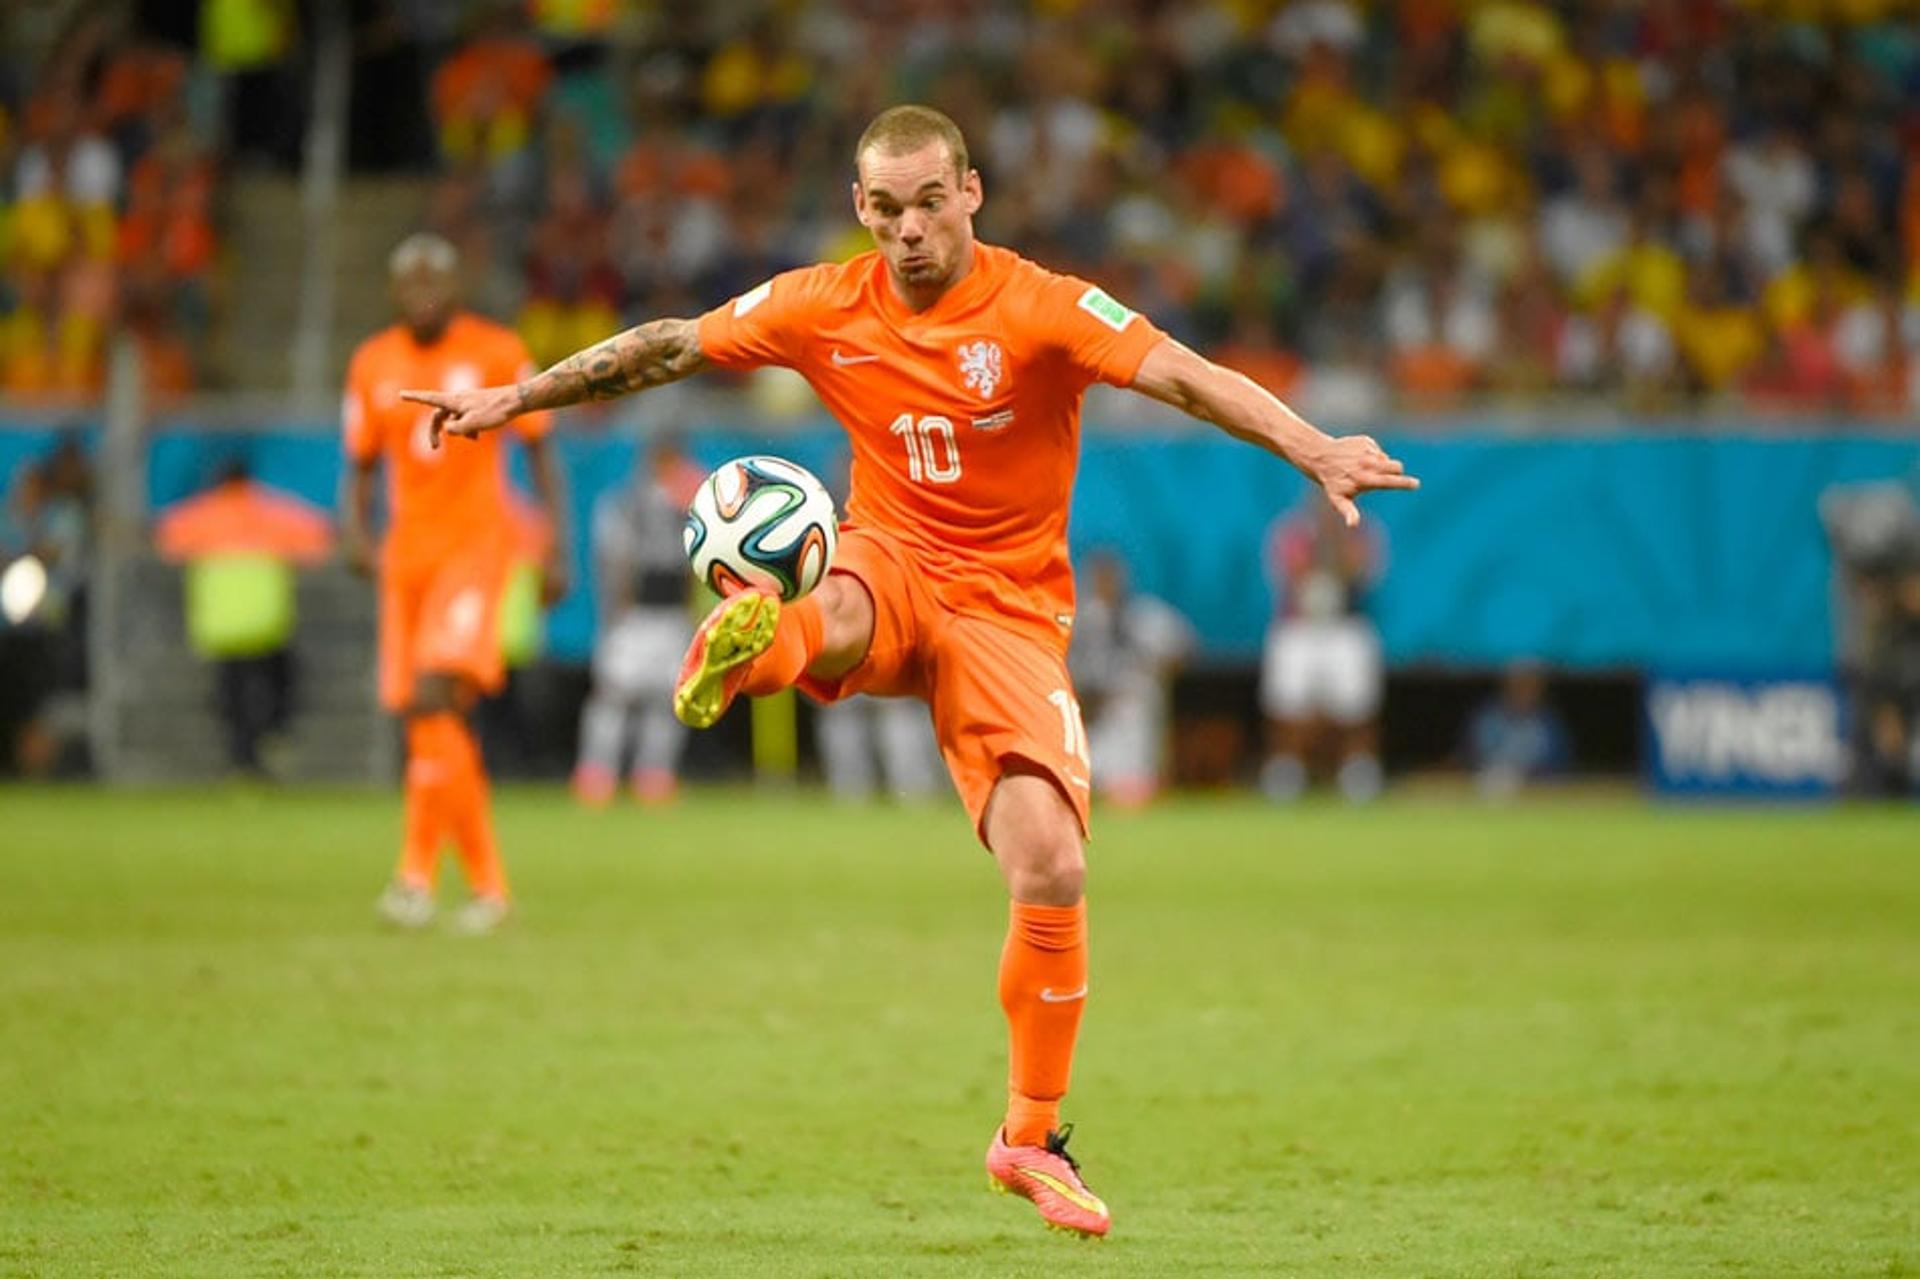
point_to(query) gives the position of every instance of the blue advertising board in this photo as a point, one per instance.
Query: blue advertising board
(1747, 736)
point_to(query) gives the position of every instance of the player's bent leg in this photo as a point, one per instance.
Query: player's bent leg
(1036, 838)
(737, 630)
(750, 643)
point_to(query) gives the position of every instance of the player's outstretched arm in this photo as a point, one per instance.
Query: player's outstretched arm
(1344, 466)
(647, 355)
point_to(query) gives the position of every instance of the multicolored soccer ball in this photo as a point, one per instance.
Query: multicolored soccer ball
(761, 522)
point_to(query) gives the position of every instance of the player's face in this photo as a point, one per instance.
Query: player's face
(920, 210)
(424, 297)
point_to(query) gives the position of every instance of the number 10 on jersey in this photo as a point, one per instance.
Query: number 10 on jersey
(933, 451)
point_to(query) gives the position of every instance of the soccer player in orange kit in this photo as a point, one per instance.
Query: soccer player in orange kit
(957, 369)
(443, 567)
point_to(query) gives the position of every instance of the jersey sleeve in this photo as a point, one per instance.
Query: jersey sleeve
(516, 365)
(764, 325)
(359, 431)
(1096, 335)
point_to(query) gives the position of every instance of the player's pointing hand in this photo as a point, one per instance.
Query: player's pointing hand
(1356, 464)
(468, 413)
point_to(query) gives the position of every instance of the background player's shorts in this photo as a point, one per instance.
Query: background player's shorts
(998, 695)
(1323, 666)
(442, 616)
(639, 652)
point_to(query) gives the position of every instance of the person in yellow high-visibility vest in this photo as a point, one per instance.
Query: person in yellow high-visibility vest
(240, 542)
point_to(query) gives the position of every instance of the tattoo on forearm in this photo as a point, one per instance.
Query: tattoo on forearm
(647, 355)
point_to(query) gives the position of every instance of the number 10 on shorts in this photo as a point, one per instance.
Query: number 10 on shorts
(933, 451)
(1073, 730)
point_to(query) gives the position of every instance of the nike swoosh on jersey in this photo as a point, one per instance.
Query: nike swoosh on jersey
(840, 360)
(1048, 997)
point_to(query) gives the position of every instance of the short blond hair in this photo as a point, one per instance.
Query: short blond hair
(898, 130)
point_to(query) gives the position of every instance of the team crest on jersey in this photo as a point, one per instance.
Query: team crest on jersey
(982, 367)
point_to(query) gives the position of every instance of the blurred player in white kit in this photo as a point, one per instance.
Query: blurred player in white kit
(1322, 676)
(640, 572)
(1126, 648)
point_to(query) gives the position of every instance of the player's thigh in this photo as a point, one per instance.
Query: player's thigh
(891, 666)
(1353, 672)
(401, 597)
(457, 631)
(999, 697)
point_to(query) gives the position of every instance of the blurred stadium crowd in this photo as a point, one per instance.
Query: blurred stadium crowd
(1370, 206)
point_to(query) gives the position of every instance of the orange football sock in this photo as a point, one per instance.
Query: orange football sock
(1043, 988)
(468, 813)
(427, 787)
(797, 640)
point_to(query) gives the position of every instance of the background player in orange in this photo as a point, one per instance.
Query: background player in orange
(957, 369)
(442, 567)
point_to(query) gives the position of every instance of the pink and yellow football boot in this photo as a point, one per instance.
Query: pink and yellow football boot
(738, 630)
(1049, 1177)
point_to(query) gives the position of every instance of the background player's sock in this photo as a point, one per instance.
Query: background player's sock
(427, 803)
(796, 642)
(1360, 779)
(448, 741)
(1043, 988)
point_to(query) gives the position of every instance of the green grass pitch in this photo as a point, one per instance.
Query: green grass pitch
(757, 1035)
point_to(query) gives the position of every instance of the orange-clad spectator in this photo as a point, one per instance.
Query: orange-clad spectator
(166, 236)
(138, 83)
(1433, 377)
(1701, 135)
(240, 542)
(1252, 348)
(486, 96)
(1235, 179)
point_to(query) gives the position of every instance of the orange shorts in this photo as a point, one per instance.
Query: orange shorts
(997, 694)
(442, 616)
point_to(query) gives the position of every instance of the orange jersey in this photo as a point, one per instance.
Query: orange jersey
(964, 418)
(439, 500)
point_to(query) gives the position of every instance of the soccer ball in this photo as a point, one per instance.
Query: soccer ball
(760, 522)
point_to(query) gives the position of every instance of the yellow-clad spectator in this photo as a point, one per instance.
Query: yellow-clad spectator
(244, 35)
(579, 19)
(1515, 29)
(1790, 295)
(1647, 267)
(1720, 341)
(758, 70)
